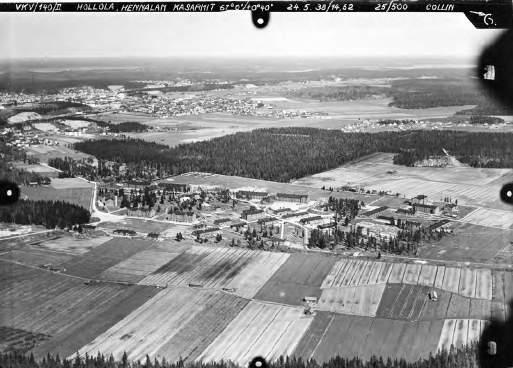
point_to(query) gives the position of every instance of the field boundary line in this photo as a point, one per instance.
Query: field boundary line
(332, 317)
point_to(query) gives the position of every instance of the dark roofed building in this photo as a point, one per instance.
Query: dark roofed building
(426, 208)
(292, 215)
(311, 220)
(252, 214)
(290, 197)
(249, 195)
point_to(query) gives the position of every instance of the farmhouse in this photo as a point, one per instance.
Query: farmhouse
(250, 195)
(326, 228)
(236, 226)
(252, 214)
(289, 197)
(426, 208)
(419, 199)
(406, 211)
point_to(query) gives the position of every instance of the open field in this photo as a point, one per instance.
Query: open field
(145, 226)
(356, 300)
(140, 265)
(491, 217)
(473, 283)
(44, 153)
(70, 245)
(179, 310)
(467, 243)
(35, 257)
(377, 172)
(266, 330)
(81, 196)
(41, 302)
(459, 332)
(301, 275)
(348, 336)
(244, 270)
(102, 257)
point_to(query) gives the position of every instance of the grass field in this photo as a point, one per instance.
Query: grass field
(348, 336)
(35, 257)
(242, 269)
(104, 256)
(467, 243)
(261, 329)
(69, 245)
(81, 196)
(490, 217)
(301, 275)
(180, 312)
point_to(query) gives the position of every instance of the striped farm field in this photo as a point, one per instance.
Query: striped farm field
(356, 300)
(244, 270)
(46, 303)
(177, 322)
(460, 332)
(333, 334)
(473, 283)
(261, 329)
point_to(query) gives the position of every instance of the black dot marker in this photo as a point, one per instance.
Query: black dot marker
(9, 193)
(258, 362)
(507, 193)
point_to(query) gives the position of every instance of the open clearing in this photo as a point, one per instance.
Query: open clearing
(459, 332)
(469, 185)
(466, 243)
(473, 283)
(348, 336)
(176, 332)
(261, 329)
(301, 275)
(244, 270)
(63, 308)
(81, 196)
(490, 217)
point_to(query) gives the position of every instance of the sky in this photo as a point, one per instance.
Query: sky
(232, 34)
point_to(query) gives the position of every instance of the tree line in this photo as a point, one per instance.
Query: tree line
(50, 214)
(284, 154)
(464, 357)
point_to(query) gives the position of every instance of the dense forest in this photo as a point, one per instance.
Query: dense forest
(466, 357)
(284, 154)
(50, 214)
(340, 93)
(129, 126)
